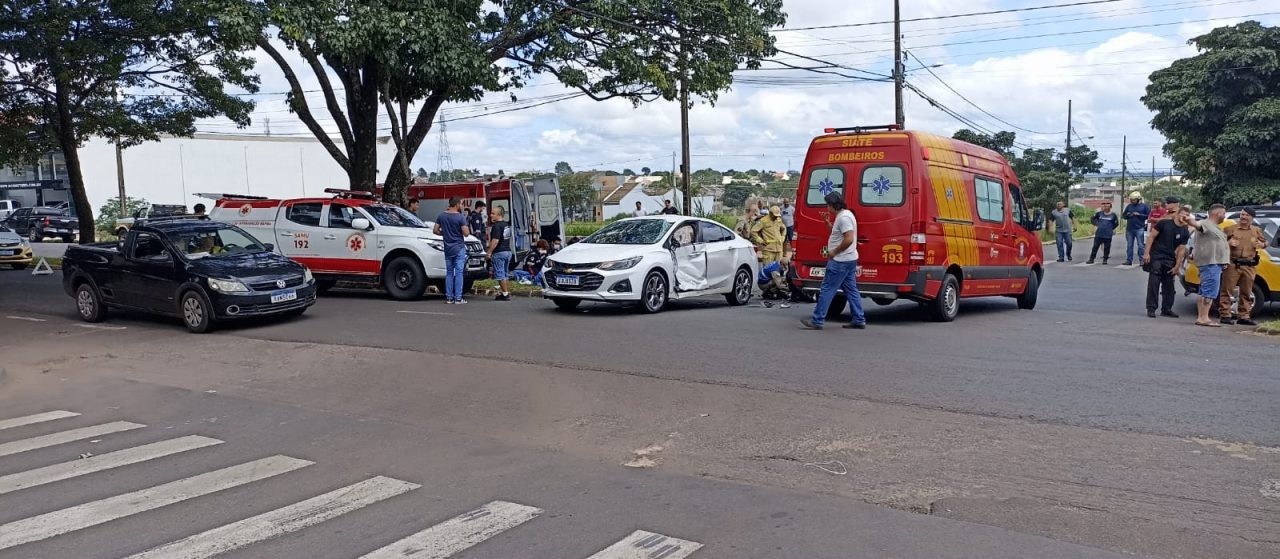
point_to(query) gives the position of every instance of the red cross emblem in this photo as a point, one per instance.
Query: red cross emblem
(355, 243)
(245, 209)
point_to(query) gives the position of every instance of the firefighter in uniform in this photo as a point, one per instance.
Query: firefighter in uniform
(1246, 240)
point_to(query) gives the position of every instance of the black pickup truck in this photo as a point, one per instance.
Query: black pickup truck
(37, 223)
(198, 270)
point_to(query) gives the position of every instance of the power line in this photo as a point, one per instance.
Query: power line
(951, 16)
(975, 105)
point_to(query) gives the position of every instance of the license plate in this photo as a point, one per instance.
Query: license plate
(568, 280)
(818, 272)
(282, 296)
(8, 252)
(475, 263)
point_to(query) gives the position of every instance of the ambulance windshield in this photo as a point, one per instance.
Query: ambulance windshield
(392, 216)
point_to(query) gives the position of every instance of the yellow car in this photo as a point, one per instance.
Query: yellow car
(15, 251)
(1266, 288)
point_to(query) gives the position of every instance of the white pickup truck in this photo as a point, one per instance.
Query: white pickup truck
(350, 237)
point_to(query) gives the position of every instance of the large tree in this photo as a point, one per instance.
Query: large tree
(1001, 142)
(410, 58)
(62, 63)
(1220, 111)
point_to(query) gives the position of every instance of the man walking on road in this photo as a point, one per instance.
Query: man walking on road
(500, 252)
(842, 267)
(1212, 253)
(1106, 223)
(1063, 226)
(1245, 239)
(452, 225)
(1135, 231)
(1165, 248)
(769, 235)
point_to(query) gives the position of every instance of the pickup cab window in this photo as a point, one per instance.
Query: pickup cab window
(340, 216)
(204, 243)
(146, 246)
(305, 214)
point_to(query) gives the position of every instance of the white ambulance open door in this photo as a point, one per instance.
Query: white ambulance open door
(548, 211)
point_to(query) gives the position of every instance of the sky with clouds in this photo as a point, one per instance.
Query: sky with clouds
(1009, 71)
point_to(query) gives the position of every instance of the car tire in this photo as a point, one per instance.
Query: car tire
(19, 266)
(566, 303)
(196, 311)
(1030, 293)
(836, 308)
(69, 239)
(1260, 298)
(324, 285)
(882, 301)
(946, 305)
(742, 288)
(89, 303)
(404, 279)
(654, 293)
(33, 236)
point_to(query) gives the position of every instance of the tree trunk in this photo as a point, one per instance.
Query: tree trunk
(66, 132)
(363, 108)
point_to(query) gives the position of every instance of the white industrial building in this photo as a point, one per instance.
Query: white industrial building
(173, 169)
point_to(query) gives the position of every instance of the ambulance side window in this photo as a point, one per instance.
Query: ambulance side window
(305, 214)
(340, 216)
(989, 195)
(823, 182)
(882, 185)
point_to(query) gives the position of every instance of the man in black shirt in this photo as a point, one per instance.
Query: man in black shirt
(500, 252)
(1165, 250)
(668, 209)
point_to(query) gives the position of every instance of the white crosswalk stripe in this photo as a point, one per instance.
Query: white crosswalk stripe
(66, 437)
(105, 510)
(281, 521)
(648, 545)
(458, 533)
(80, 467)
(36, 418)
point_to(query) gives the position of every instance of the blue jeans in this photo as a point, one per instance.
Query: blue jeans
(535, 279)
(454, 265)
(842, 276)
(1134, 237)
(1064, 244)
(502, 265)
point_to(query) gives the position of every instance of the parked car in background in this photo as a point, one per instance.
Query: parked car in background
(15, 251)
(154, 210)
(7, 207)
(350, 236)
(199, 270)
(1266, 286)
(651, 260)
(42, 222)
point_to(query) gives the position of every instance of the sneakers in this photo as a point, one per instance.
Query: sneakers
(1090, 261)
(1104, 261)
(448, 301)
(855, 326)
(1151, 314)
(1169, 314)
(1128, 262)
(460, 302)
(503, 297)
(1246, 322)
(808, 324)
(1061, 260)
(784, 306)
(1227, 320)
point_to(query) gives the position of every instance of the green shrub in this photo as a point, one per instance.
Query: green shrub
(581, 228)
(726, 220)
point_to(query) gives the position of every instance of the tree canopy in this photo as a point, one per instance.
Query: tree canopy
(63, 63)
(1220, 111)
(1042, 171)
(410, 58)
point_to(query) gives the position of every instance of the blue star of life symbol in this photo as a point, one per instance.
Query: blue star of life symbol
(881, 186)
(825, 186)
(950, 192)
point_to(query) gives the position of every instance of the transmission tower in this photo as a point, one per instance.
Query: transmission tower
(444, 162)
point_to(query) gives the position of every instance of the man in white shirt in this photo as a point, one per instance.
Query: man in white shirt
(842, 267)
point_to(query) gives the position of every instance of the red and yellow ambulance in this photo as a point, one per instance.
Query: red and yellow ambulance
(939, 219)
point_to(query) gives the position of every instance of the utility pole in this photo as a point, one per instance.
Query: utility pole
(1067, 157)
(124, 205)
(684, 131)
(900, 117)
(1153, 174)
(1124, 167)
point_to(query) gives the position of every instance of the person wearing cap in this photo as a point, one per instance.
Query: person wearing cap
(1212, 253)
(769, 234)
(1245, 240)
(1135, 231)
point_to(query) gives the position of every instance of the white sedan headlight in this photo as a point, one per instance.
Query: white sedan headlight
(306, 276)
(227, 286)
(620, 264)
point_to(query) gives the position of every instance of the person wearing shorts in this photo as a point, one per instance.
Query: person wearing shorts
(500, 252)
(1212, 254)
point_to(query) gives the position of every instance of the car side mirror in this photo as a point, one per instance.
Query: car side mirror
(360, 223)
(269, 246)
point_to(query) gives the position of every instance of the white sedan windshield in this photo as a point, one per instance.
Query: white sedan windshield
(630, 232)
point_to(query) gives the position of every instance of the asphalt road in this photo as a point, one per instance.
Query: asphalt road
(1073, 430)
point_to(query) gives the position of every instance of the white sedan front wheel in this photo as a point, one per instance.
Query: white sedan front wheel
(653, 296)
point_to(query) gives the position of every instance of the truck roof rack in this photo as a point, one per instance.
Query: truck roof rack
(862, 129)
(345, 193)
(224, 195)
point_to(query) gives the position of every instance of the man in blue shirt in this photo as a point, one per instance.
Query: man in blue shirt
(1106, 223)
(452, 225)
(1135, 232)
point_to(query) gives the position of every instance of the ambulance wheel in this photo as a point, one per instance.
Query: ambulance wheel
(946, 305)
(565, 303)
(742, 288)
(196, 312)
(882, 301)
(838, 303)
(404, 279)
(324, 285)
(1028, 298)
